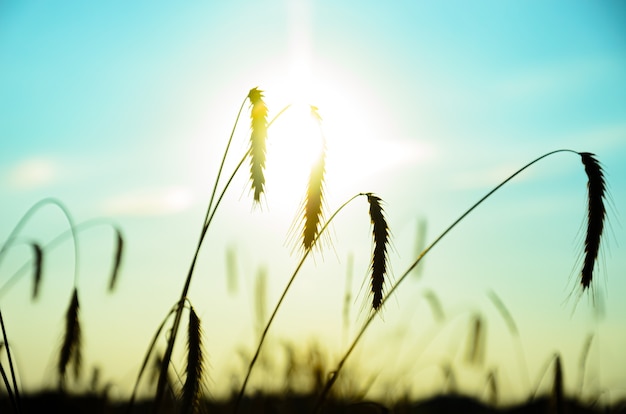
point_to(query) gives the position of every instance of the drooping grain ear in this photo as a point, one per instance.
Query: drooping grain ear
(314, 204)
(504, 312)
(476, 341)
(435, 305)
(492, 386)
(71, 348)
(117, 259)
(380, 232)
(258, 138)
(192, 389)
(596, 214)
(311, 212)
(38, 259)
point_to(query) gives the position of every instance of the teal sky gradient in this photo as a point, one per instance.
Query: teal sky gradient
(123, 109)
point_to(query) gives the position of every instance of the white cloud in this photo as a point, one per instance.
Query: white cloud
(34, 173)
(150, 203)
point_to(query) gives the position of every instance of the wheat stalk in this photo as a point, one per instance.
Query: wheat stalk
(281, 299)
(195, 365)
(15, 400)
(313, 205)
(117, 258)
(379, 265)
(596, 214)
(258, 137)
(513, 330)
(435, 306)
(311, 212)
(38, 258)
(582, 362)
(476, 341)
(492, 385)
(71, 348)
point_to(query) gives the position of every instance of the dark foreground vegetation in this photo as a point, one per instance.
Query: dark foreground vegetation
(54, 402)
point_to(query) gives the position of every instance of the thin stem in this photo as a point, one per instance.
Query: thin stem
(7, 385)
(282, 297)
(29, 214)
(207, 221)
(219, 172)
(51, 245)
(335, 373)
(146, 360)
(11, 366)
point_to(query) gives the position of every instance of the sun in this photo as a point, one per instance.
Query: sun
(350, 124)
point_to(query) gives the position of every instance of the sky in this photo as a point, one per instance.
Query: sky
(122, 111)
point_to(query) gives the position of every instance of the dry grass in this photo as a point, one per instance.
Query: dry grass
(71, 349)
(192, 389)
(379, 265)
(596, 214)
(258, 138)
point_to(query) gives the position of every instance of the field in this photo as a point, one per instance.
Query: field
(297, 377)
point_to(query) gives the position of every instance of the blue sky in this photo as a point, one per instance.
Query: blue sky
(123, 111)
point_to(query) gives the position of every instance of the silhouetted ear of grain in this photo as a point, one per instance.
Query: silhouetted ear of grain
(380, 231)
(435, 306)
(117, 259)
(71, 348)
(311, 212)
(313, 207)
(192, 389)
(492, 384)
(258, 138)
(476, 341)
(38, 253)
(596, 213)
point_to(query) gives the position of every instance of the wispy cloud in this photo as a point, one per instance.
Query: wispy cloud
(34, 172)
(149, 203)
